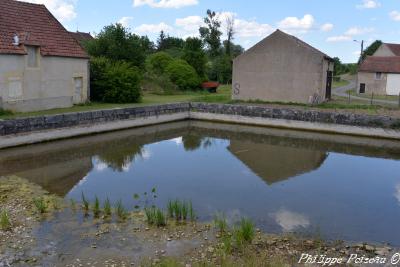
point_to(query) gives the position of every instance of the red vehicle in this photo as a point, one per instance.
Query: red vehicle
(210, 86)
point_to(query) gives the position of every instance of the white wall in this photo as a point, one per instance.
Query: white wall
(51, 85)
(393, 84)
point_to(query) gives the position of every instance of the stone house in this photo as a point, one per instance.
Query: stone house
(41, 65)
(380, 73)
(282, 68)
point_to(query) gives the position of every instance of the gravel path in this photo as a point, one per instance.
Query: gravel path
(342, 91)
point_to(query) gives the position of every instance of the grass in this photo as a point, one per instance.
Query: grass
(244, 233)
(40, 204)
(340, 83)
(5, 222)
(223, 96)
(73, 204)
(120, 210)
(393, 98)
(85, 204)
(96, 207)
(107, 208)
(155, 216)
(221, 224)
(181, 210)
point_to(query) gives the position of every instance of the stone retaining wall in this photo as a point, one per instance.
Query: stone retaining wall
(293, 114)
(30, 124)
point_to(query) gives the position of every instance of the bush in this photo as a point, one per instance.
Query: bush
(183, 75)
(158, 84)
(158, 62)
(122, 83)
(117, 82)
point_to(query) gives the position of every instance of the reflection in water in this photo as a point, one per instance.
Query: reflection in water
(276, 163)
(291, 221)
(238, 170)
(397, 194)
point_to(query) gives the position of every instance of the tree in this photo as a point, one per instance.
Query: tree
(116, 43)
(230, 33)
(370, 50)
(158, 62)
(161, 41)
(212, 34)
(183, 75)
(194, 54)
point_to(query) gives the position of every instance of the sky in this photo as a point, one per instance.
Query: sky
(330, 26)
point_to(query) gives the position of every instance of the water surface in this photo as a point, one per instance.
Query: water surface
(337, 186)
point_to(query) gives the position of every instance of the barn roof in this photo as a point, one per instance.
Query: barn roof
(35, 25)
(81, 36)
(381, 64)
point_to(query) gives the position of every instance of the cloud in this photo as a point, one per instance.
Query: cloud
(165, 3)
(297, 25)
(190, 24)
(153, 28)
(125, 21)
(245, 28)
(397, 193)
(349, 34)
(358, 31)
(395, 15)
(290, 221)
(369, 4)
(327, 27)
(63, 10)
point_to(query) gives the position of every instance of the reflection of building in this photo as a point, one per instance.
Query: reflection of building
(59, 178)
(275, 163)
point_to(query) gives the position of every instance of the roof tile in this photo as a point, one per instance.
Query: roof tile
(381, 64)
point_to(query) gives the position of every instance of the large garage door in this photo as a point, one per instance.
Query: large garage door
(393, 84)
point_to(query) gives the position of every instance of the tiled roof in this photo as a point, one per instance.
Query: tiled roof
(381, 64)
(35, 25)
(81, 36)
(395, 49)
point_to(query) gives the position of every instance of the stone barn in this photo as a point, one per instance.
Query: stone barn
(42, 66)
(282, 68)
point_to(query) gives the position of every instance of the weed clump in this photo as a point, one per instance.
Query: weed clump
(107, 208)
(122, 213)
(5, 222)
(155, 216)
(40, 204)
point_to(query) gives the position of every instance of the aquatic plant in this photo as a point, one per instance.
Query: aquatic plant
(85, 203)
(155, 216)
(244, 233)
(192, 214)
(5, 222)
(180, 210)
(107, 208)
(220, 223)
(136, 196)
(96, 207)
(121, 211)
(40, 204)
(72, 203)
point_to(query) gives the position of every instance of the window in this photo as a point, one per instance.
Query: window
(14, 88)
(378, 76)
(362, 88)
(33, 56)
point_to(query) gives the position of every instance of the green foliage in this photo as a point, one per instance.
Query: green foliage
(194, 54)
(155, 216)
(183, 75)
(221, 224)
(85, 203)
(158, 84)
(158, 62)
(370, 50)
(122, 83)
(40, 204)
(5, 112)
(244, 233)
(212, 33)
(121, 211)
(117, 82)
(107, 208)
(167, 43)
(117, 43)
(96, 207)
(181, 210)
(5, 222)
(73, 204)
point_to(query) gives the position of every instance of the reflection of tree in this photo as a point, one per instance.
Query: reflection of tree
(192, 141)
(119, 155)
